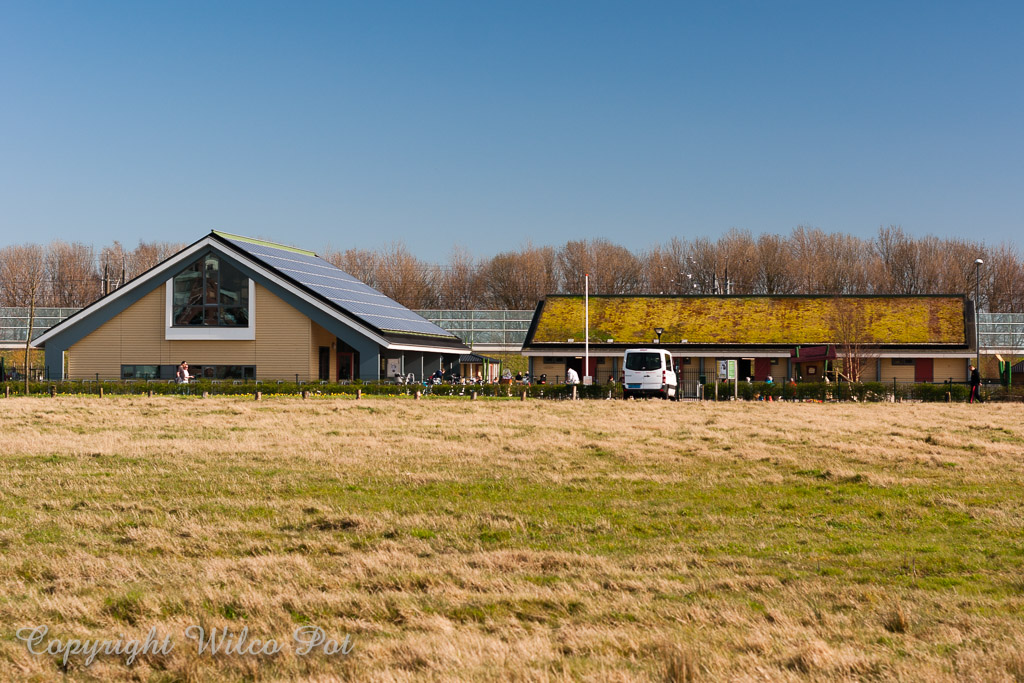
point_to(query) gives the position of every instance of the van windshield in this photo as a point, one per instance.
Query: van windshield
(643, 361)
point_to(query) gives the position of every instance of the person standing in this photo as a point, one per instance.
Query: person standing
(975, 385)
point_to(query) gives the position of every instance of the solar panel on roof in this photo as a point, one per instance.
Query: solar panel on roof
(347, 292)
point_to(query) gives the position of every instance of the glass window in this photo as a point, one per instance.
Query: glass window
(211, 293)
(643, 361)
(140, 371)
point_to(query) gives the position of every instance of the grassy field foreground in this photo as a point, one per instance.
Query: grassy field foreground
(601, 540)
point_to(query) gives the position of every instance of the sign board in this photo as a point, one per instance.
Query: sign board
(394, 367)
(723, 369)
(587, 380)
(732, 370)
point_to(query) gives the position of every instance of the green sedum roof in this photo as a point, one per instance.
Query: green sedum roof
(788, 320)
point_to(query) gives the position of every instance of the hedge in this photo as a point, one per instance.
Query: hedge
(807, 391)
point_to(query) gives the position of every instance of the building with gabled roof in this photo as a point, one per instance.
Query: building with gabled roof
(907, 338)
(242, 308)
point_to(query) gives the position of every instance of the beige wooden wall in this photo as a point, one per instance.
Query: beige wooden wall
(283, 347)
(321, 337)
(901, 373)
(946, 368)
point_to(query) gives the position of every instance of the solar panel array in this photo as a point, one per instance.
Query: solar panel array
(357, 298)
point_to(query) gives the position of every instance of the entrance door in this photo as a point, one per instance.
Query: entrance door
(325, 363)
(346, 361)
(924, 369)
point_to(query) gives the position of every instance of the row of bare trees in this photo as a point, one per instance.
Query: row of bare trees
(806, 261)
(72, 275)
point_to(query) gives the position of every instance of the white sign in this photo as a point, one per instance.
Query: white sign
(394, 366)
(587, 380)
(723, 369)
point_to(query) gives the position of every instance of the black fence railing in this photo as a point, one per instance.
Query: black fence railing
(690, 389)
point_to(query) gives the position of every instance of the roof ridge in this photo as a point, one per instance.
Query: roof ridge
(264, 243)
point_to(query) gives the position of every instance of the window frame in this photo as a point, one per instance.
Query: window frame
(174, 332)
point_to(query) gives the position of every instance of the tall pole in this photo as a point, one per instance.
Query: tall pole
(977, 309)
(586, 324)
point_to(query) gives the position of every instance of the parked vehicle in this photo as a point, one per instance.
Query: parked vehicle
(649, 372)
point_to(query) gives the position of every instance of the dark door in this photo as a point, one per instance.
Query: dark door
(325, 363)
(345, 363)
(574, 363)
(745, 368)
(924, 370)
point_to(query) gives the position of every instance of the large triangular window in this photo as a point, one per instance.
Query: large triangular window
(210, 293)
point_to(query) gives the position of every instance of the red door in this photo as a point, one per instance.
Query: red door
(924, 370)
(762, 368)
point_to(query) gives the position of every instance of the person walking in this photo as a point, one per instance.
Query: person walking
(975, 385)
(182, 376)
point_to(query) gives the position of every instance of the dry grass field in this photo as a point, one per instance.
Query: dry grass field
(502, 540)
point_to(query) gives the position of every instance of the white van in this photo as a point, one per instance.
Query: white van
(649, 372)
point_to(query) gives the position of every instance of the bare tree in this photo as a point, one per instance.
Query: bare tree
(22, 284)
(71, 275)
(517, 280)
(458, 285)
(405, 278)
(774, 266)
(855, 346)
(666, 269)
(362, 264)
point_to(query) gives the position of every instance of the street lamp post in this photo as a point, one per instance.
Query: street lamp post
(659, 331)
(977, 308)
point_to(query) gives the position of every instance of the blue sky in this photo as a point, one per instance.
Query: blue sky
(486, 124)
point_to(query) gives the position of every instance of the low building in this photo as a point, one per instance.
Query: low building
(928, 338)
(240, 308)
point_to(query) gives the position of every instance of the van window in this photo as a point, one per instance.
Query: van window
(643, 361)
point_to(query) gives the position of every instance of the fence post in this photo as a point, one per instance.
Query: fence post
(149, 393)
(359, 394)
(524, 396)
(206, 394)
(574, 392)
(418, 395)
(305, 394)
(53, 390)
(259, 395)
(101, 391)
(7, 391)
(472, 396)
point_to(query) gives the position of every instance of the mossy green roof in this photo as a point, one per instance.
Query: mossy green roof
(750, 320)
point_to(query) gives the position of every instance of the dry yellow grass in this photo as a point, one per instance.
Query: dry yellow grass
(602, 540)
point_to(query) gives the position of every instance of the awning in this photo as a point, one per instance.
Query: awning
(476, 358)
(813, 354)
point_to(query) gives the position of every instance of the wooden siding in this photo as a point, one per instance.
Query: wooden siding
(950, 368)
(901, 373)
(321, 337)
(136, 337)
